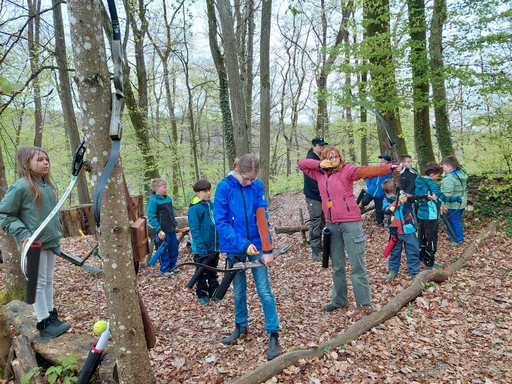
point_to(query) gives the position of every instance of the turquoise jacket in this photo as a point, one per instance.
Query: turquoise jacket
(202, 227)
(429, 210)
(20, 216)
(455, 184)
(161, 213)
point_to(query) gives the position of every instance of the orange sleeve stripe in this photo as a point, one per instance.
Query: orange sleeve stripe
(263, 230)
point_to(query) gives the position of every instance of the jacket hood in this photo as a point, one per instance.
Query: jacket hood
(195, 200)
(458, 173)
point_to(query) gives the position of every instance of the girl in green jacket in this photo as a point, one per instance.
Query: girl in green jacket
(24, 207)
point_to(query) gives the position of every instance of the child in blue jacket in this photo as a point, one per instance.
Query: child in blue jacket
(161, 217)
(429, 212)
(205, 244)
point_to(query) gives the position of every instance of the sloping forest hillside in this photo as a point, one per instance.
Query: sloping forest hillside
(458, 331)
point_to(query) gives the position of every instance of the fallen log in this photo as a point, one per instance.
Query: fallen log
(276, 366)
(24, 360)
(21, 316)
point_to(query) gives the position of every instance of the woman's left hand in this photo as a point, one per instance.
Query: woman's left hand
(267, 258)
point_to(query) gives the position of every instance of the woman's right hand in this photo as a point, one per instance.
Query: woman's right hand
(328, 164)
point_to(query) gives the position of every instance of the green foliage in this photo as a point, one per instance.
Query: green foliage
(285, 184)
(65, 372)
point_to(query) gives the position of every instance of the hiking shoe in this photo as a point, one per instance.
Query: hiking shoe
(330, 307)
(203, 300)
(436, 266)
(455, 244)
(54, 316)
(49, 329)
(316, 255)
(391, 275)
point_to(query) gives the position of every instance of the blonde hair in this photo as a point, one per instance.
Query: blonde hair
(247, 163)
(157, 183)
(388, 186)
(24, 156)
(327, 150)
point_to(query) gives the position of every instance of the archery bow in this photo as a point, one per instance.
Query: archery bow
(237, 267)
(117, 106)
(76, 170)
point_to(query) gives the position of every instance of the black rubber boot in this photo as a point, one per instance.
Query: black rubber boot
(49, 329)
(273, 347)
(239, 330)
(54, 316)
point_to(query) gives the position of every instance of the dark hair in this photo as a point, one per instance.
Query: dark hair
(433, 169)
(387, 186)
(403, 157)
(202, 185)
(450, 161)
(247, 163)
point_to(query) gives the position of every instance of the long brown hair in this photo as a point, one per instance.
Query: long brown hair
(247, 163)
(327, 150)
(24, 156)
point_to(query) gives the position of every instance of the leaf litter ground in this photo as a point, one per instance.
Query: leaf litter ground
(458, 331)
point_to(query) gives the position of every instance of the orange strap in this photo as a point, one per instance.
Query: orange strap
(263, 230)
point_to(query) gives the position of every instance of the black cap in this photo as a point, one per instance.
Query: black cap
(385, 157)
(318, 141)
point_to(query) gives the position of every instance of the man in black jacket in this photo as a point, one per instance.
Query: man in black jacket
(316, 216)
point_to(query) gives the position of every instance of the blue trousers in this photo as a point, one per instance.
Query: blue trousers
(412, 253)
(169, 257)
(260, 276)
(455, 219)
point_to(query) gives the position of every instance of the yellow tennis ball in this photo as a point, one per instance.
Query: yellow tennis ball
(100, 326)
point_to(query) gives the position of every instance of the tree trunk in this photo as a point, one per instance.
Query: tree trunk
(266, 14)
(34, 21)
(218, 59)
(437, 73)
(66, 97)
(420, 85)
(120, 283)
(380, 56)
(249, 63)
(240, 127)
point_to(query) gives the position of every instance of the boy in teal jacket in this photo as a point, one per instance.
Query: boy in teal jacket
(205, 244)
(454, 183)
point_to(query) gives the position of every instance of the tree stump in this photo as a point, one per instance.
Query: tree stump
(21, 316)
(75, 218)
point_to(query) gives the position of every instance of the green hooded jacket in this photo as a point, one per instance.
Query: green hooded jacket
(455, 184)
(20, 216)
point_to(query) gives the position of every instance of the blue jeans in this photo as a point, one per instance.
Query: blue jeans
(350, 237)
(260, 276)
(169, 257)
(412, 253)
(454, 217)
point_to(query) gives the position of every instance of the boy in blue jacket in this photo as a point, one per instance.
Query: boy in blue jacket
(205, 244)
(428, 213)
(161, 218)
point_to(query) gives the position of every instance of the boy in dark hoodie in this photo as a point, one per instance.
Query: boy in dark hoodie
(205, 244)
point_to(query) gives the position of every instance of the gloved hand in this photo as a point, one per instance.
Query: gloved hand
(328, 164)
(403, 199)
(251, 250)
(161, 235)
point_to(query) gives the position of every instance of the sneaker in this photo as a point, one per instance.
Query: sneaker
(436, 266)
(166, 274)
(49, 329)
(203, 300)
(175, 271)
(330, 307)
(316, 255)
(391, 275)
(455, 244)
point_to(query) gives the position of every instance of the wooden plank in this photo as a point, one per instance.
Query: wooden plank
(25, 360)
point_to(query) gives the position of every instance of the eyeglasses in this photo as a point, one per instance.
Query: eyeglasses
(246, 180)
(331, 158)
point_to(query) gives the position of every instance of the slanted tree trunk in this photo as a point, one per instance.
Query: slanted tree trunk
(66, 97)
(437, 76)
(420, 85)
(114, 233)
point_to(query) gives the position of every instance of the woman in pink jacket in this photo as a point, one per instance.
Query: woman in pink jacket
(343, 216)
